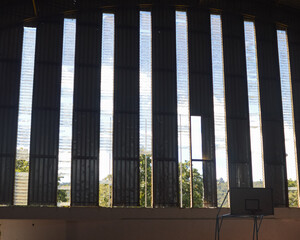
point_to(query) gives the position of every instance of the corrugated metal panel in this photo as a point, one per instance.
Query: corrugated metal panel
(271, 112)
(126, 109)
(86, 115)
(15, 12)
(294, 51)
(10, 67)
(45, 114)
(201, 95)
(165, 146)
(236, 96)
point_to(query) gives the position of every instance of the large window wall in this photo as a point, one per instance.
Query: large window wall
(194, 175)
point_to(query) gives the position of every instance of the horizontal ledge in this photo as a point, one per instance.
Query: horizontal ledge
(130, 213)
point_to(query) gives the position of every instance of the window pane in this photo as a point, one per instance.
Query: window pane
(219, 106)
(145, 108)
(106, 109)
(196, 137)
(288, 117)
(183, 107)
(66, 113)
(24, 117)
(198, 190)
(254, 105)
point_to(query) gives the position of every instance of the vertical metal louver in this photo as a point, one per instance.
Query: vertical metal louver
(126, 109)
(236, 97)
(86, 122)
(45, 114)
(271, 112)
(201, 96)
(165, 146)
(10, 68)
(294, 46)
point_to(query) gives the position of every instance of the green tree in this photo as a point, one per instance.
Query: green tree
(197, 186)
(222, 188)
(292, 189)
(143, 184)
(22, 165)
(105, 191)
(105, 185)
(61, 194)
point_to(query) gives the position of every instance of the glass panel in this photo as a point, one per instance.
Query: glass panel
(183, 107)
(66, 113)
(196, 137)
(24, 117)
(106, 110)
(288, 117)
(254, 106)
(145, 108)
(198, 190)
(219, 105)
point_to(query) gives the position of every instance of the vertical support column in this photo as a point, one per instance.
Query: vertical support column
(10, 68)
(294, 51)
(165, 143)
(126, 109)
(45, 114)
(86, 120)
(201, 95)
(236, 96)
(271, 112)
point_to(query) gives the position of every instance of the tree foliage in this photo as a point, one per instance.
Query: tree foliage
(22, 165)
(105, 191)
(293, 198)
(222, 188)
(197, 186)
(145, 181)
(62, 195)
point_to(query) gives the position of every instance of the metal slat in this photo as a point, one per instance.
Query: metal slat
(86, 115)
(165, 146)
(10, 67)
(45, 114)
(126, 109)
(236, 95)
(201, 95)
(271, 112)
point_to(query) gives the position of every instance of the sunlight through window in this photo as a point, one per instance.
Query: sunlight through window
(24, 117)
(254, 105)
(106, 110)
(145, 108)
(219, 105)
(66, 113)
(183, 107)
(288, 117)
